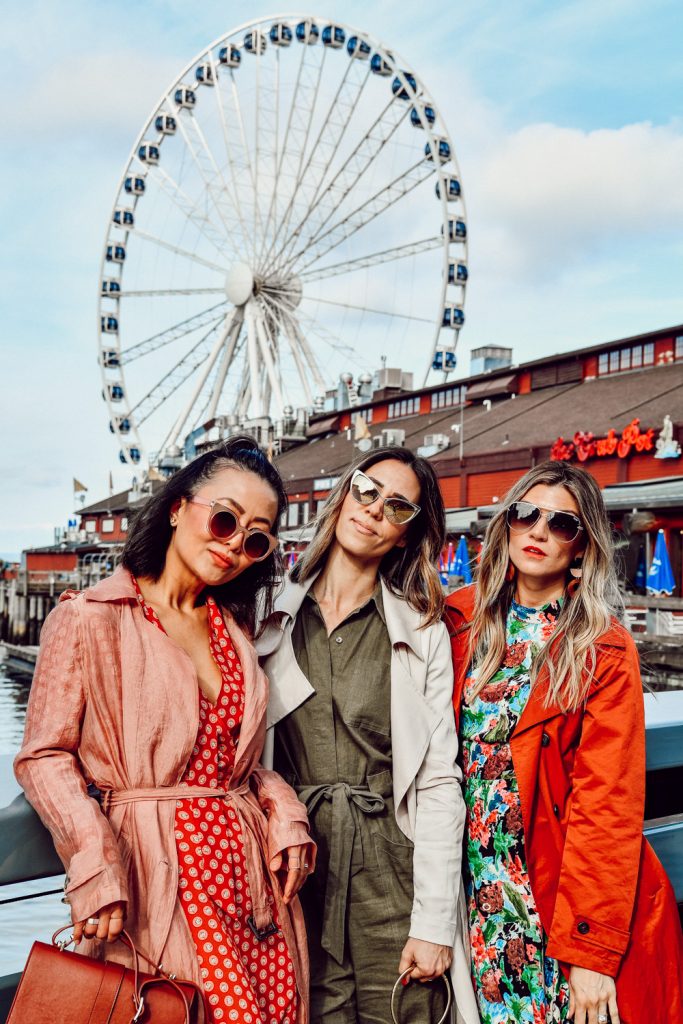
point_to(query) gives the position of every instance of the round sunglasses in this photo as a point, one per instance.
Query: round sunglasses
(223, 524)
(564, 526)
(398, 511)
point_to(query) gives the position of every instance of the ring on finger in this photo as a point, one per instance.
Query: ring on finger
(93, 920)
(602, 1018)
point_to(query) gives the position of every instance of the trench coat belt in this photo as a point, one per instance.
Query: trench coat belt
(342, 796)
(250, 818)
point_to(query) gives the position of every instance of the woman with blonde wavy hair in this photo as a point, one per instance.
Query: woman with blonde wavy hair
(570, 912)
(360, 706)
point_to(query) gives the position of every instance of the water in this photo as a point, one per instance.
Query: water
(21, 923)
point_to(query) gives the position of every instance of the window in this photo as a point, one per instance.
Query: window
(293, 513)
(613, 361)
(678, 350)
(625, 362)
(124, 524)
(636, 356)
(90, 525)
(603, 363)
(107, 526)
(404, 407)
(450, 396)
(648, 353)
(632, 357)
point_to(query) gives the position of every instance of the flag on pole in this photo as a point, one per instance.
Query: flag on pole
(78, 486)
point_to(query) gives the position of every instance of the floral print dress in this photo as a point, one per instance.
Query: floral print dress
(514, 980)
(247, 980)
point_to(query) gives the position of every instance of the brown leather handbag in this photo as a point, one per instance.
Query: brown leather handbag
(60, 987)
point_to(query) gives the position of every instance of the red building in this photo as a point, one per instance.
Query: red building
(616, 409)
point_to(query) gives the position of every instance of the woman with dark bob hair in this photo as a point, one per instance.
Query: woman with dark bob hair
(361, 686)
(148, 696)
(570, 913)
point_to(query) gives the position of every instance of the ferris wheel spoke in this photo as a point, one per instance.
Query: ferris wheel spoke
(274, 382)
(337, 119)
(348, 177)
(153, 293)
(363, 214)
(399, 252)
(232, 210)
(155, 240)
(269, 128)
(369, 309)
(205, 164)
(218, 94)
(291, 319)
(180, 330)
(302, 98)
(174, 378)
(209, 363)
(187, 207)
(247, 156)
(301, 129)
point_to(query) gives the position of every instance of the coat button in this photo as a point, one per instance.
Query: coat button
(556, 810)
(545, 740)
(338, 640)
(583, 927)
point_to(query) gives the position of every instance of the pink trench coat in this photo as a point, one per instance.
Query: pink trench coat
(115, 701)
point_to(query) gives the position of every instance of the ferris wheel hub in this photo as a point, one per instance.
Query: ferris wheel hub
(239, 284)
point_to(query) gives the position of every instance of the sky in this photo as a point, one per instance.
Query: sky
(565, 116)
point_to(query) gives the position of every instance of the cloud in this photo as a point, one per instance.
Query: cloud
(551, 195)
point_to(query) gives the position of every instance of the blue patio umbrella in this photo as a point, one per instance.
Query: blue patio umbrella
(641, 570)
(660, 579)
(461, 563)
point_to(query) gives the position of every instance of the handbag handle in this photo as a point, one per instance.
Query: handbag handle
(140, 988)
(398, 983)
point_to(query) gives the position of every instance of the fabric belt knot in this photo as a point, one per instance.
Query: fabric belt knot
(250, 819)
(343, 797)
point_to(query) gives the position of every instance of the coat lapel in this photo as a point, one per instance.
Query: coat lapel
(289, 687)
(413, 721)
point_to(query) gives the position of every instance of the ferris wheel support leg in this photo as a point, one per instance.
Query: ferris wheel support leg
(310, 358)
(253, 357)
(226, 360)
(267, 355)
(301, 368)
(204, 376)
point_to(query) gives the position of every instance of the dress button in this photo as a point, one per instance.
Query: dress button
(556, 810)
(583, 927)
(545, 740)
(338, 640)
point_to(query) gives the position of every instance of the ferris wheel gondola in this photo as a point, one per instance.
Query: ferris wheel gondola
(277, 221)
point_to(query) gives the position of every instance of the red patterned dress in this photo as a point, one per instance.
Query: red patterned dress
(246, 980)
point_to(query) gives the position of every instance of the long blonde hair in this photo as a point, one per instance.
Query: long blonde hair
(570, 656)
(410, 571)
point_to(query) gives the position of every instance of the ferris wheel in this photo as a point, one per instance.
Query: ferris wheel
(291, 209)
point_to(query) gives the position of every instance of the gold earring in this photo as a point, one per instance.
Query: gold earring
(174, 521)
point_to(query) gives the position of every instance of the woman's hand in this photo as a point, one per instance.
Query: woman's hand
(106, 924)
(296, 864)
(427, 959)
(591, 997)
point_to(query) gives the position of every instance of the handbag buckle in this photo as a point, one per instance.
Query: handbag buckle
(140, 1009)
(262, 933)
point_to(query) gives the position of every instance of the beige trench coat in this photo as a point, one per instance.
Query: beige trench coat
(114, 701)
(428, 801)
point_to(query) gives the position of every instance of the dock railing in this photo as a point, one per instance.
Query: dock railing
(27, 853)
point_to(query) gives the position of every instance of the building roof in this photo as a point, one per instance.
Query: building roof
(645, 494)
(114, 503)
(532, 420)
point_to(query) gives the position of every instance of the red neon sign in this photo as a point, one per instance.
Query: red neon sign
(586, 446)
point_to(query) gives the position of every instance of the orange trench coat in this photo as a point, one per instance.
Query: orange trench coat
(114, 701)
(604, 899)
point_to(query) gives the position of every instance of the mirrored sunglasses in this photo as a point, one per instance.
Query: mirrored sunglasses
(223, 524)
(398, 511)
(564, 526)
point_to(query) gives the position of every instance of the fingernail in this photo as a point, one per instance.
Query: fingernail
(405, 981)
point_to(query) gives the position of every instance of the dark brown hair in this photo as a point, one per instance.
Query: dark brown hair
(149, 535)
